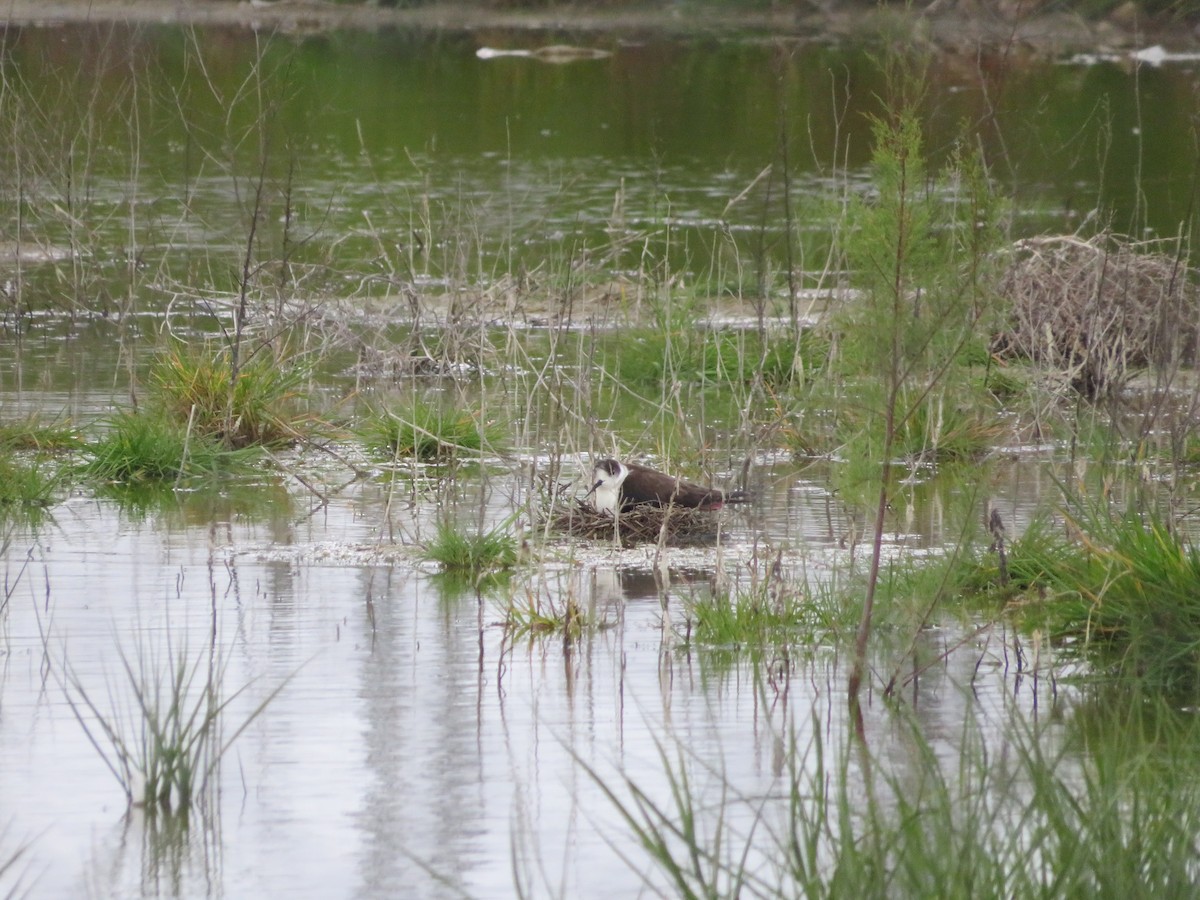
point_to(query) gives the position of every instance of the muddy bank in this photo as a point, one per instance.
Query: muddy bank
(946, 27)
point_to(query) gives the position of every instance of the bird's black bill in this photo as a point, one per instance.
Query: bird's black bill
(592, 489)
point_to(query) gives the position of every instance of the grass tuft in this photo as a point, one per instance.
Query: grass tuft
(164, 749)
(533, 617)
(762, 617)
(687, 352)
(426, 432)
(475, 555)
(31, 434)
(143, 447)
(25, 484)
(198, 387)
(938, 430)
(1121, 590)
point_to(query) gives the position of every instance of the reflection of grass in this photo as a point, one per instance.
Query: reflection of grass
(141, 447)
(532, 617)
(11, 875)
(205, 501)
(425, 432)
(455, 583)
(198, 387)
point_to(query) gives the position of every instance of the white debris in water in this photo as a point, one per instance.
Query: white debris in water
(336, 552)
(1155, 55)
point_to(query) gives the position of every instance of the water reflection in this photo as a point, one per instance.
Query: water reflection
(416, 160)
(417, 748)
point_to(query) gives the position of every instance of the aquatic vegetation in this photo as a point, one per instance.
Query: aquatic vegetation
(25, 483)
(940, 430)
(1124, 590)
(692, 353)
(140, 447)
(530, 616)
(382, 238)
(1126, 817)
(165, 748)
(426, 432)
(1005, 383)
(474, 555)
(770, 614)
(921, 273)
(254, 406)
(31, 434)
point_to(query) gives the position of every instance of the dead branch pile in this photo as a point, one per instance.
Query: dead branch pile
(1094, 311)
(640, 525)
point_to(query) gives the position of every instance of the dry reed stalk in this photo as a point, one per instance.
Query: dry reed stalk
(1094, 310)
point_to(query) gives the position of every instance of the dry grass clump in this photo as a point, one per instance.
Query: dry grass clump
(1095, 310)
(640, 525)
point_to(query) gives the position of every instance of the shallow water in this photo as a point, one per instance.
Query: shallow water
(411, 749)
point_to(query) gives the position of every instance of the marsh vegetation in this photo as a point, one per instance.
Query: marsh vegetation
(951, 647)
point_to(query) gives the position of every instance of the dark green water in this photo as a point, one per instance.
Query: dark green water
(406, 157)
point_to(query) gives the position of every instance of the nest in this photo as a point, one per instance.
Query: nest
(1096, 310)
(642, 524)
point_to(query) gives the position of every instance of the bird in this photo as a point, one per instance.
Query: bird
(622, 486)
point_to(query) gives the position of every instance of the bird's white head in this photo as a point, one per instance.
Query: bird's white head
(607, 476)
